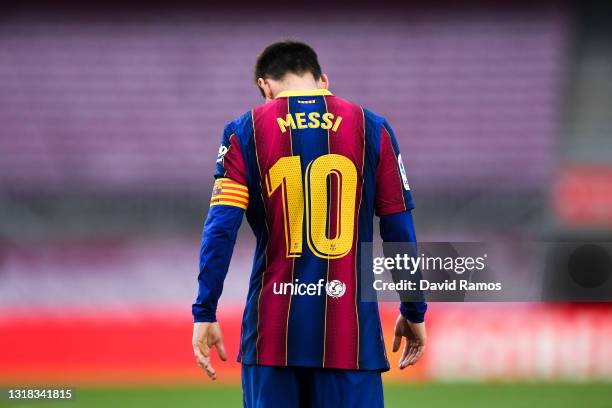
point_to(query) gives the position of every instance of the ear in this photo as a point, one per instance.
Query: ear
(323, 82)
(266, 88)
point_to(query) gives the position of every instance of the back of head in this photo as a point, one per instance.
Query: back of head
(281, 58)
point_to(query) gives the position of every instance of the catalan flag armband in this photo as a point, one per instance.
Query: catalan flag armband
(228, 192)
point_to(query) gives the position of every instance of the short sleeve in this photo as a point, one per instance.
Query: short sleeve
(230, 173)
(392, 187)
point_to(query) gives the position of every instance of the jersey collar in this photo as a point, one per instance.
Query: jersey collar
(312, 92)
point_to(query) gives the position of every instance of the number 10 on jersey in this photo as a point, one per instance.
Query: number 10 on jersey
(310, 192)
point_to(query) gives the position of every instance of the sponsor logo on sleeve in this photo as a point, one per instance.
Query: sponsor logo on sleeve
(222, 151)
(402, 170)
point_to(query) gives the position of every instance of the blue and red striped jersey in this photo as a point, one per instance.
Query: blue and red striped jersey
(310, 170)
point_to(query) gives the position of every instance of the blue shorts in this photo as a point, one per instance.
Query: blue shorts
(299, 387)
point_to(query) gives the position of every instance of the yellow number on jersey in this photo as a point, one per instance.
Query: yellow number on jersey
(286, 173)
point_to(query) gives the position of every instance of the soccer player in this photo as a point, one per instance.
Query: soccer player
(310, 170)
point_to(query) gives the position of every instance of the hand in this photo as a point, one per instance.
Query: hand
(416, 338)
(206, 335)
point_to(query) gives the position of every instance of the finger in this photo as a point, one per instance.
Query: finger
(415, 353)
(202, 353)
(200, 358)
(210, 372)
(404, 354)
(411, 352)
(409, 359)
(397, 341)
(209, 369)
(419, 353)
(221, 350)
(205, 348)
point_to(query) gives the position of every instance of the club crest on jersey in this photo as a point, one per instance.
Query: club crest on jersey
(222, 151)
(313, 120)
(402, 170)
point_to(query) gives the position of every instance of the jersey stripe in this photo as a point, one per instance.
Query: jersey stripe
(389, 186)
(306, 323)
(341, 314)
(228, 197)
(271, 144)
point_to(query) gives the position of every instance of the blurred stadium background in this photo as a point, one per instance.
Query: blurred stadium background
(110, 119)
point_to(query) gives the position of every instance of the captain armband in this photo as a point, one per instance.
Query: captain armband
(228, 192)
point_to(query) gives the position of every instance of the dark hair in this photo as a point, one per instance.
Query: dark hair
(283, 57)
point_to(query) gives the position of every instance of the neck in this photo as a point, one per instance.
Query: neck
(292, 82)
